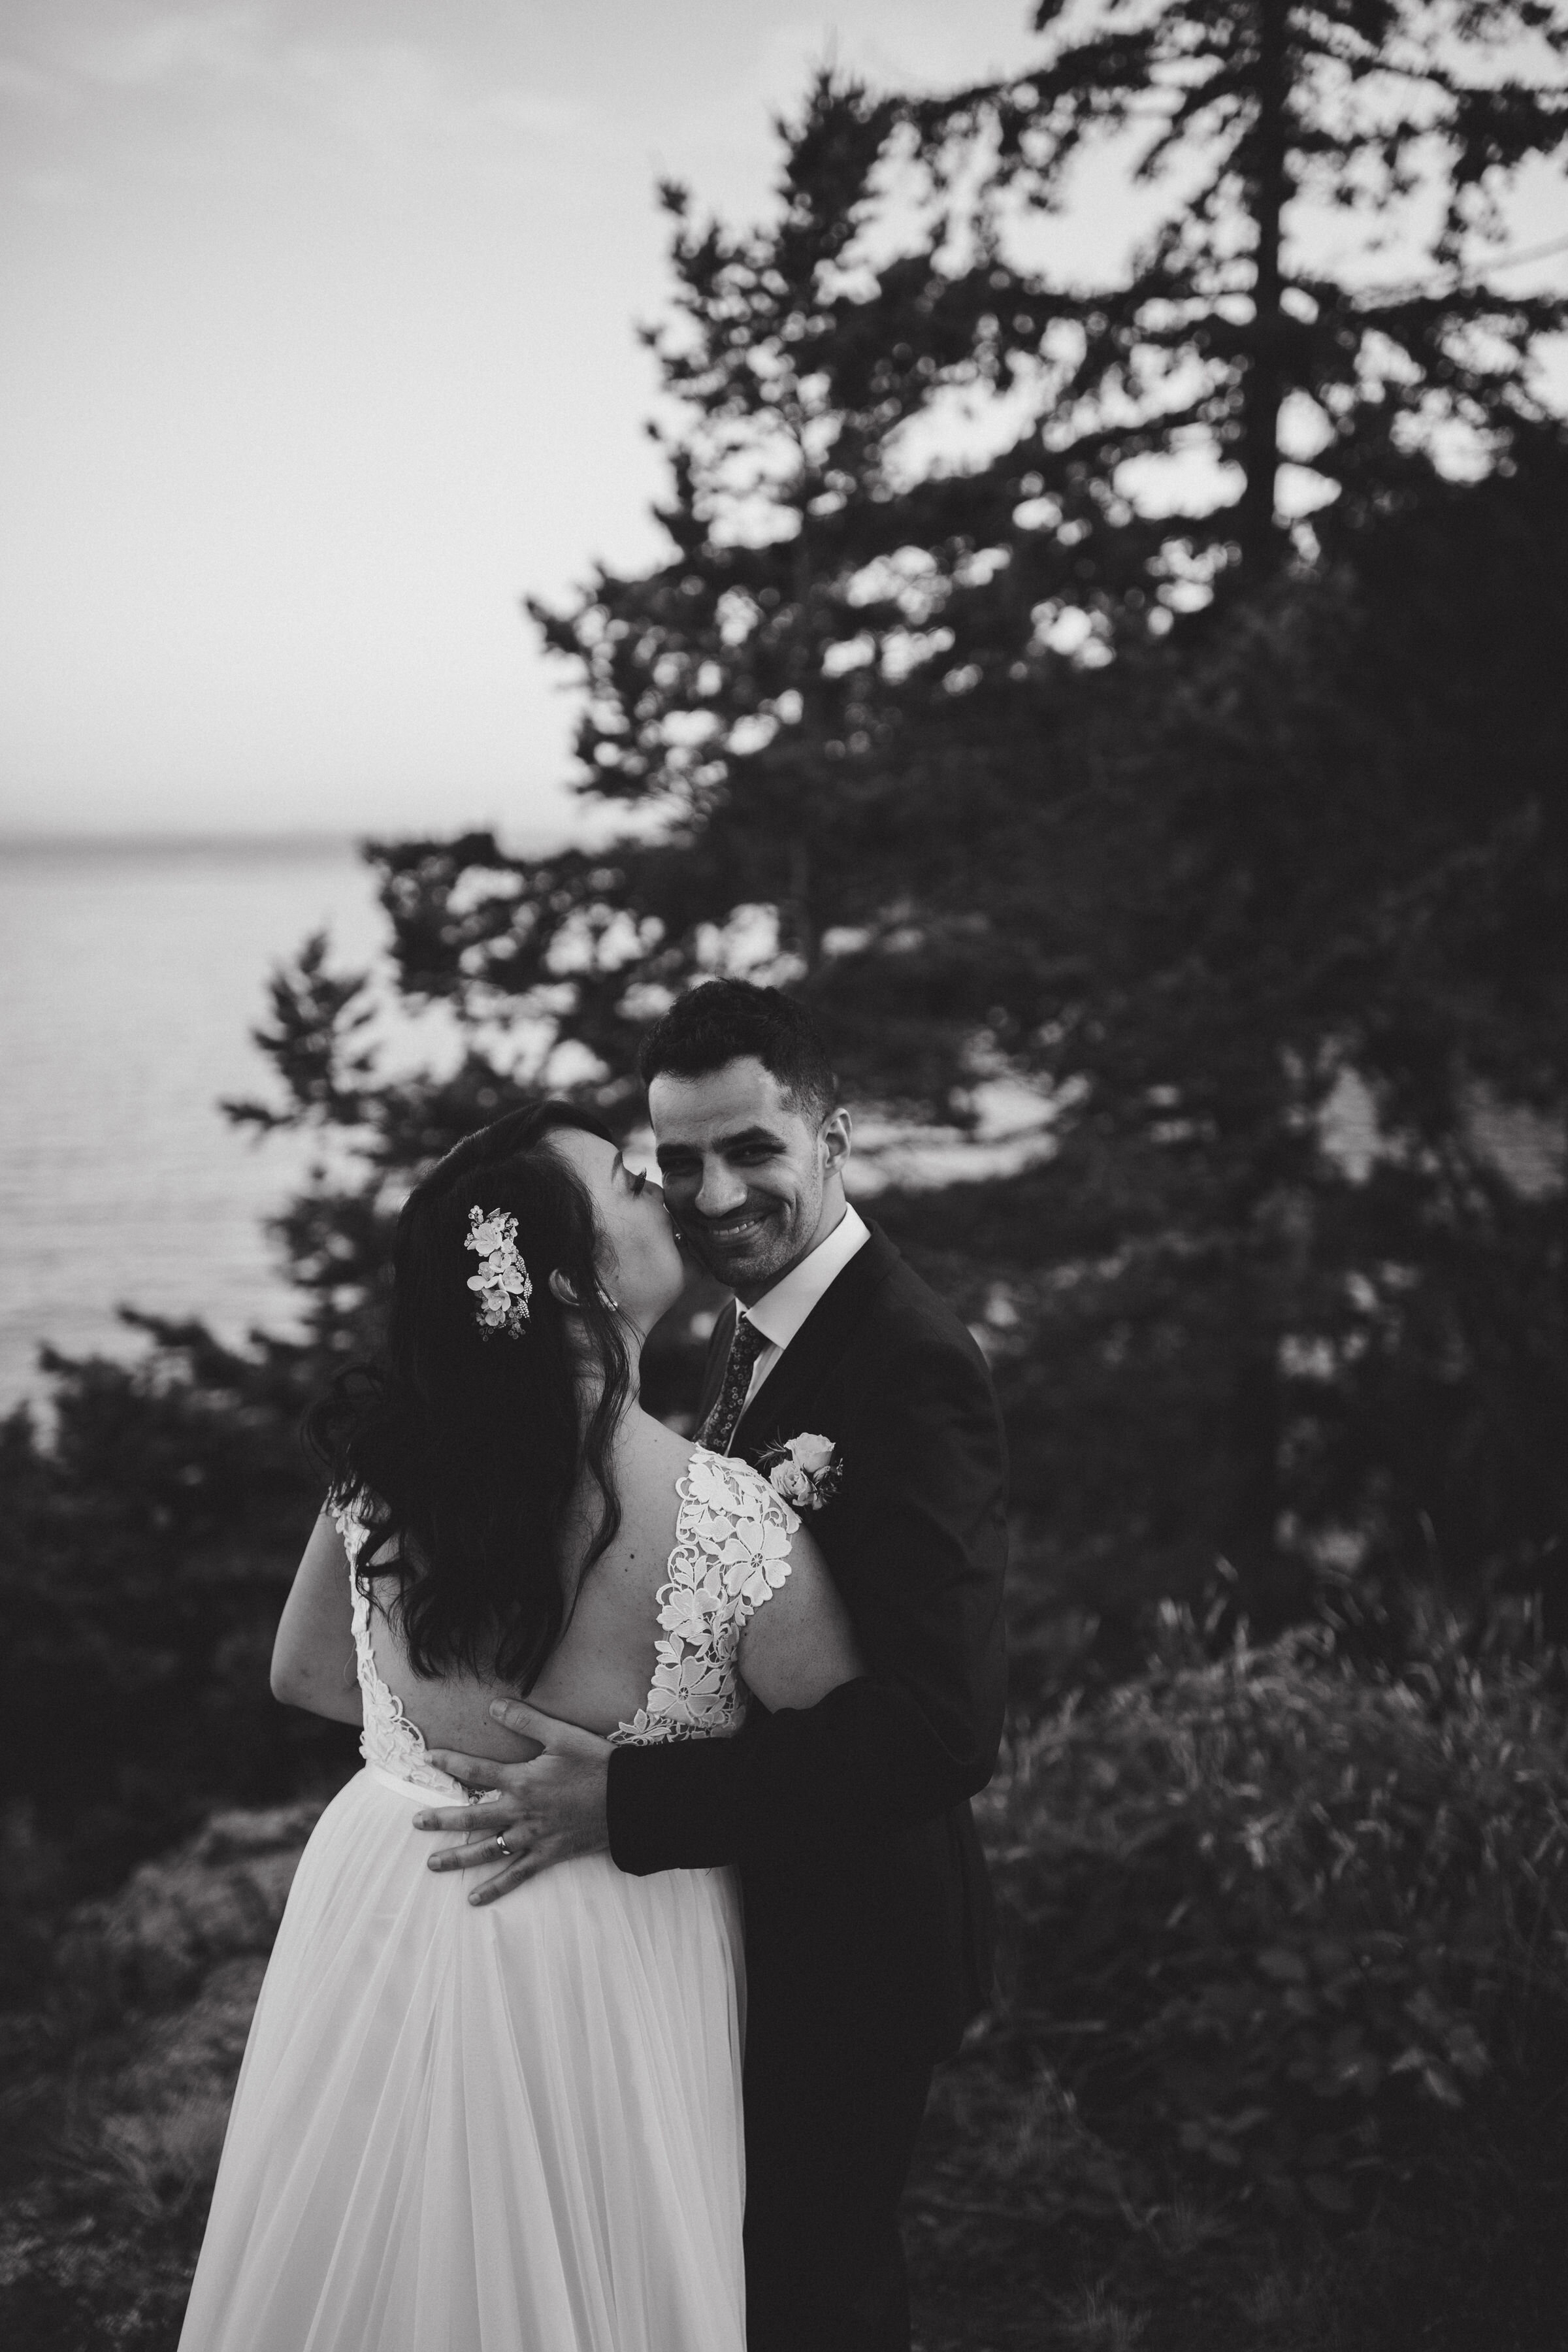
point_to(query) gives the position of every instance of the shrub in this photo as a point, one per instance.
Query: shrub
(1276, 1923)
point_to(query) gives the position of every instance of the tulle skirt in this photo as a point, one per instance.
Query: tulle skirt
(515, 2128)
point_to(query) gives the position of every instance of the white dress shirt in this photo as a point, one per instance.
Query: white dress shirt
(779, 1312)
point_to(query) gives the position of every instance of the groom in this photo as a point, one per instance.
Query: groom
(868, 1919)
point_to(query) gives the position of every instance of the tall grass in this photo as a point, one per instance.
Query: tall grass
(1277, 1924)
(1280, 2053)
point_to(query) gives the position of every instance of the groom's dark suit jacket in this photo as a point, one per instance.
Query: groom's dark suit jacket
(868, 1913)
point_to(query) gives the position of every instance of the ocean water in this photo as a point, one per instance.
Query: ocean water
(130, 976)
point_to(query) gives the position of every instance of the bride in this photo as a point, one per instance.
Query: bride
(514, 2127)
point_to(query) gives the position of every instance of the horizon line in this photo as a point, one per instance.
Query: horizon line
(170, 836)
(36, 841)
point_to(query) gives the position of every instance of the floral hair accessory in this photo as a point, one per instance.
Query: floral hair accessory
(502, 1280)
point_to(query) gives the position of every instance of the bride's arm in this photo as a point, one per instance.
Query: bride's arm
(313, 1656)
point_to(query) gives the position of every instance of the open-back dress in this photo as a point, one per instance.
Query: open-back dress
(516, 2126)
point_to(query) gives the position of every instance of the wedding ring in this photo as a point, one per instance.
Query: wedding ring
(501, 1844)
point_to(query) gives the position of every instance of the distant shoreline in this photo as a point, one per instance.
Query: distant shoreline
(179, 845)
(20, 846)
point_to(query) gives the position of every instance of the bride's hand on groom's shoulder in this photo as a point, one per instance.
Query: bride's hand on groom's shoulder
(545, 1811)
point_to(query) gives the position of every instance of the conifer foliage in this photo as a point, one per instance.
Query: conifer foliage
(921, 485)
(1146, 689)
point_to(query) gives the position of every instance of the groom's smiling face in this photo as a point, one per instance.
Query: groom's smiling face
(751, 1177)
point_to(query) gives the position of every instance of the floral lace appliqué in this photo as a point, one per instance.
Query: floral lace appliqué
(732, 1552)
(388, 1740)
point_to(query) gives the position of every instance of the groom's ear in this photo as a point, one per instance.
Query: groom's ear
(837, 1139)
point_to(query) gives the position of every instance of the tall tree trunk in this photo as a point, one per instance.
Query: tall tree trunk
(799, 929)
(1263, 384)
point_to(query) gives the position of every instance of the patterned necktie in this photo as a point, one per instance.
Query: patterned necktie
(746, 1345)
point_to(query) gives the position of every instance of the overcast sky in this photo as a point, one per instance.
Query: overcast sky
(320, 353)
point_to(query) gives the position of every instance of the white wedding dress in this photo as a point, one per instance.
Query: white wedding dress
(513, 2127)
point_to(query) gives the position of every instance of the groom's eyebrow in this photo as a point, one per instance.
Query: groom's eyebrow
(748, 1136)
(678, 1148)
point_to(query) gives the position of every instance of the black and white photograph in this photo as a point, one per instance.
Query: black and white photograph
(783, 1176)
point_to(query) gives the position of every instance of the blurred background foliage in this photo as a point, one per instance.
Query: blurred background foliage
(1139, 706)
(1135, 717)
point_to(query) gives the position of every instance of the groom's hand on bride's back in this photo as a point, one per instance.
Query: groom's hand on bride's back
(544, 1811)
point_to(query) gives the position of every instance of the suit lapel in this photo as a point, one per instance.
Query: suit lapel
(817, 1347)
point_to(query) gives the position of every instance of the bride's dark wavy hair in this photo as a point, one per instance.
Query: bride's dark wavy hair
(464, 1448)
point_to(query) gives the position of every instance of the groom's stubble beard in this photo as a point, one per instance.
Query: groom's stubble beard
(788, 1232)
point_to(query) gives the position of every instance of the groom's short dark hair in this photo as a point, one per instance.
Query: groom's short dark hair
(731, 1021)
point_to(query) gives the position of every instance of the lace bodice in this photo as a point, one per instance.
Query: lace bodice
(389, 1742)
(732, 1552)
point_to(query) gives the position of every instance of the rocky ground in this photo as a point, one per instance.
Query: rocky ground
(1020, 2234)
(117, 2095)
(111, 2125)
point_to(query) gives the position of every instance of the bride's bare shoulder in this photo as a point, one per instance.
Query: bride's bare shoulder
(658, 1451)
(650, 1461)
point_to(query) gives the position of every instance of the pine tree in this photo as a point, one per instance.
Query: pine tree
(1152, 688)
(1277, 127)
(837, 711)
(1009, 764)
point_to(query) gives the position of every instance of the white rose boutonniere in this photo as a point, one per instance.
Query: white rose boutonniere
(804, 1471)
